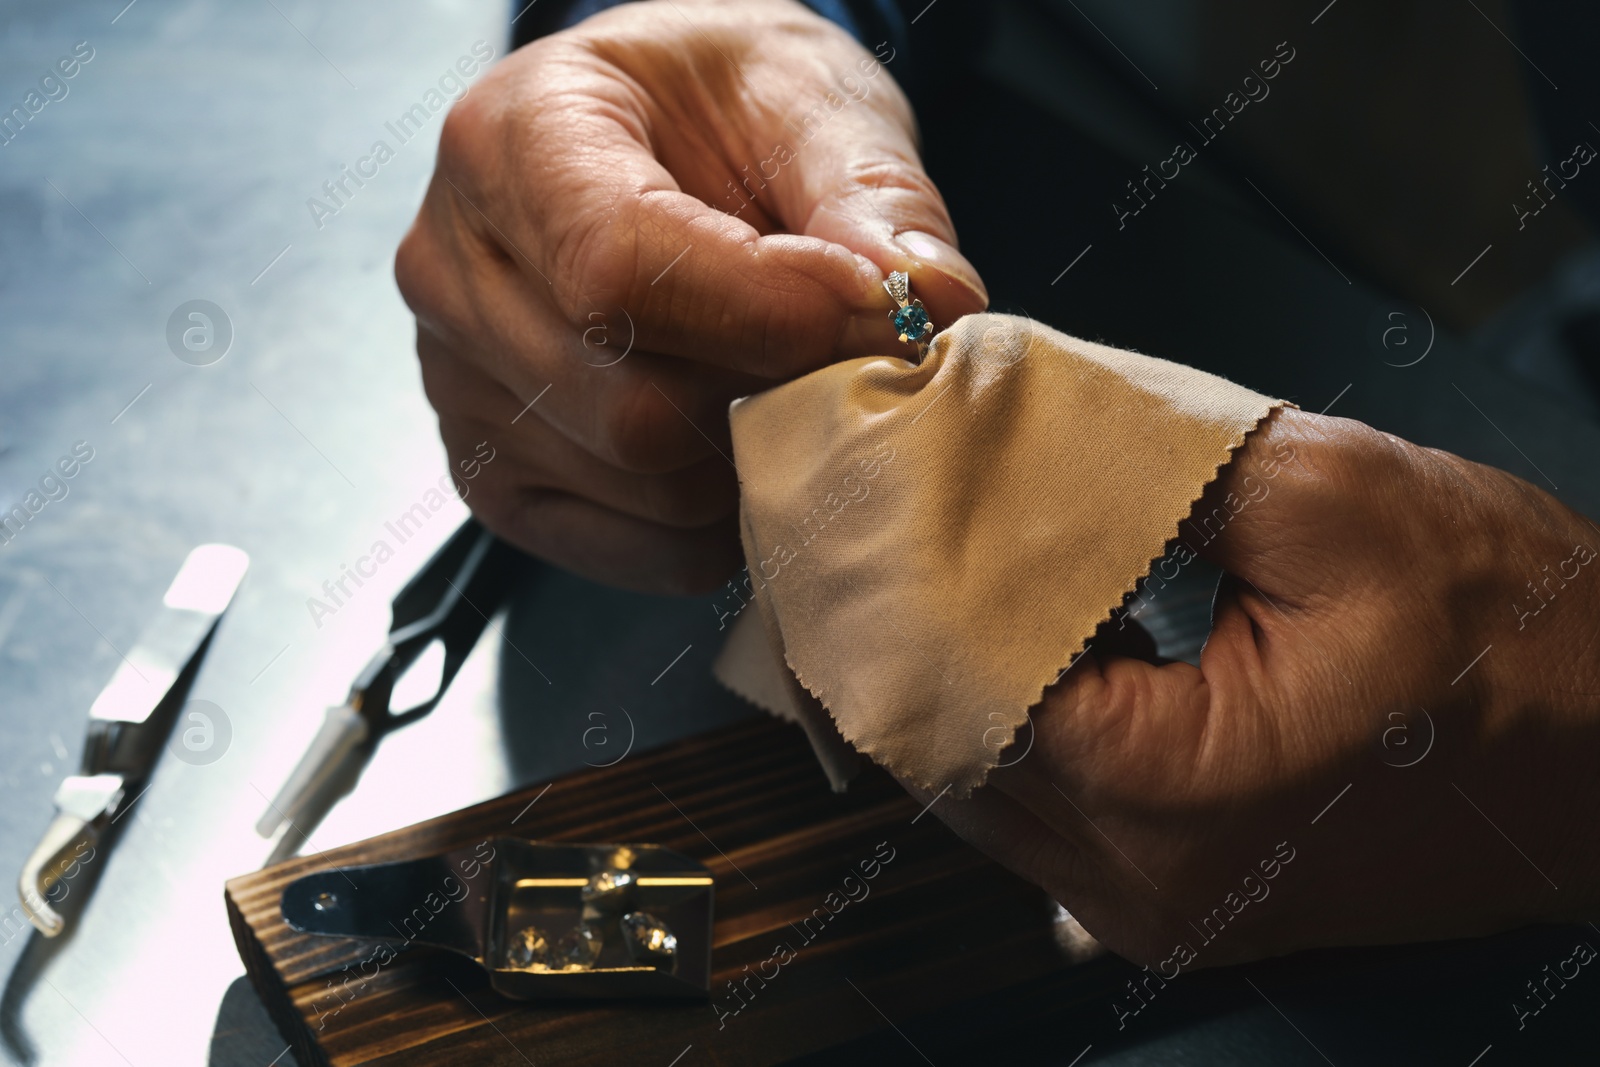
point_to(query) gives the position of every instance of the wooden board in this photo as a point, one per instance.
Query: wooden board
(937, 925)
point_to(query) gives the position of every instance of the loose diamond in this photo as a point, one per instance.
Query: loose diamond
(529, 949)
(648, 938)
(609, 890)
(578, 949)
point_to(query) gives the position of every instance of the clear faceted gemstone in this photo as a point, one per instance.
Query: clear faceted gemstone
(647, 937)
(529, 949)
(609, 890)
(578, 948)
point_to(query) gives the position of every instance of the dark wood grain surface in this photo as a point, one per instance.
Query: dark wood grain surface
(937, 926)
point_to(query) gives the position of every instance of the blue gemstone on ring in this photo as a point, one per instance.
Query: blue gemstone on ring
(911, 321)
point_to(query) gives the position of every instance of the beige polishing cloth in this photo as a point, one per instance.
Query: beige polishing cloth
(930, 546)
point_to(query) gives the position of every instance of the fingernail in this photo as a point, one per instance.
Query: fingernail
(930, 253)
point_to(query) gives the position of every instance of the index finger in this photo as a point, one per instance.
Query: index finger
(611, 226)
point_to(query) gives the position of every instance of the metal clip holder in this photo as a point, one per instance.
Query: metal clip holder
(545, 920)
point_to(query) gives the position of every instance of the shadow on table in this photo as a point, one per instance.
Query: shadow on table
(40, 951)
(244, 1035)
(1412, 1005)
(590, 675)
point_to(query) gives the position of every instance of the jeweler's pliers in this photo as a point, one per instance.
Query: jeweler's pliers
(448, 602)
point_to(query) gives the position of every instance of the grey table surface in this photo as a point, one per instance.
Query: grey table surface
(178, 166)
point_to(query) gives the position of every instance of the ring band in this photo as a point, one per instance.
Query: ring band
(910, 318)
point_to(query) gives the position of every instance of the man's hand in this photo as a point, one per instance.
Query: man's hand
(636, 221)
(1392, 734)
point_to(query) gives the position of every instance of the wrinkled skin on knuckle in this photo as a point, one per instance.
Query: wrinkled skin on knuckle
(495, 180)
(780, 335)
(467, 130)
(1328, 504)
(436, 267)
(596, 267)
(1103, 734)
(1324, 468)
(900, 177)
(1367, 477)
(1082, 718)
(1416, 533)
(601, 265)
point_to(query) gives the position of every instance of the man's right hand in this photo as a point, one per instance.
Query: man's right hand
(633, 222)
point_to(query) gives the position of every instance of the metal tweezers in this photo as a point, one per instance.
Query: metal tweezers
(128, 725)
